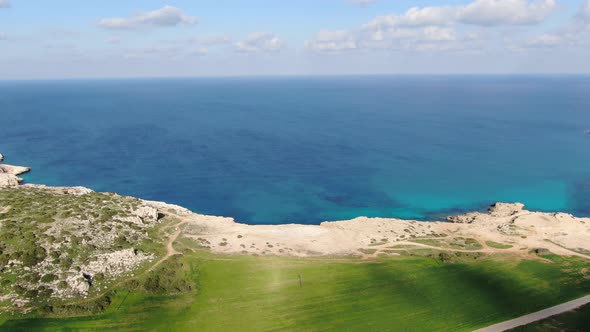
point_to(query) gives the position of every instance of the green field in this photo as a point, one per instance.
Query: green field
(406, 293)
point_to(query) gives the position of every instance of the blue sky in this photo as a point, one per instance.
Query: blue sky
(156, 38)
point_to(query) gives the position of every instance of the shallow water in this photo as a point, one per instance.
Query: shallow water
(304, 150)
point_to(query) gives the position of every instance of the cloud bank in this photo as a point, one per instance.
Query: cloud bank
(260, 42)
(434, 28)
(166, 16)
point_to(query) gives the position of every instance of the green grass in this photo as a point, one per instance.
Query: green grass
(498, 245)
(396, 293)
(459, 243)
(573, 321)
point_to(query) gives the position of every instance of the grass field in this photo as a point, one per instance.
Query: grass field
(404, 293)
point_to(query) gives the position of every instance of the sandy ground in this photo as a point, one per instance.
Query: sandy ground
(509, 224)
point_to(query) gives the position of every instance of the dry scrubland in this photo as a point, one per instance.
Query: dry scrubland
(73, 258)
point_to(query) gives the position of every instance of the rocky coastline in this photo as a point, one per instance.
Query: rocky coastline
(506, 228)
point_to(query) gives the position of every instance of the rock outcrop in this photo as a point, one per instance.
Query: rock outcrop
(76, 191)
(497, 210)
(14, 170)
(9, 180)
(116, 263)
(8, 174)
(168, 207)
(505, 209)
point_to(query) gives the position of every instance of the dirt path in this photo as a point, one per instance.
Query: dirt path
(537, 316)
(170, 251)
(485, 249)
(391, 247)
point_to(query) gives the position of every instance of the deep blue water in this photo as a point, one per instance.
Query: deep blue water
(305, 150)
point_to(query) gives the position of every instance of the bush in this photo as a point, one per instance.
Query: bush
(34, 255)
(48, 278)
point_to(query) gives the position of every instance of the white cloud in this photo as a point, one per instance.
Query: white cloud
(436, 27)
(5, 4)
(506, 12)
(363, 3)
(214, 39)
(201, 51)
(545, 40)
(3, 36)
(406, 38)
(260, 42)
(585, 11)
(155, 52)
(164, 17)
(571, 33)
(332, 41)
(478, 12)
(415, 17)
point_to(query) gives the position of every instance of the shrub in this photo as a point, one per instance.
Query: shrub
(49, 277)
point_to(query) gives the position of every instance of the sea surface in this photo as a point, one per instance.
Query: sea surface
(305, 150)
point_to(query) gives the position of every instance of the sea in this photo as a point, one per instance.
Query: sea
(277, 150)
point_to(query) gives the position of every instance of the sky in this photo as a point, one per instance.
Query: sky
(60, 39)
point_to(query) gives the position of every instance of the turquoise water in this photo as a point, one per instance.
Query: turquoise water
(305, 150)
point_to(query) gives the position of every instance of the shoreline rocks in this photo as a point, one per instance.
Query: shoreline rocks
(8, 174)
(14, 170)
(9, 180)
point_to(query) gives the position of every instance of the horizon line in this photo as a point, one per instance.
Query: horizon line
(254, 76)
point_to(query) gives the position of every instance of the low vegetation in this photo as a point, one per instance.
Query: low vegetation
(417, 291)
(458, 243)
(55, 247)
(498, 245)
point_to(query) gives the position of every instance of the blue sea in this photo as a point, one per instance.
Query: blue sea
(309, 149)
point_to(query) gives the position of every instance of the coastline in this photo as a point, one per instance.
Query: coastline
(518, 230)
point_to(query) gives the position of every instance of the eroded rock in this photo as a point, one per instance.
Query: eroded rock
(9, 180)
(14, 170)
(505, 209)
